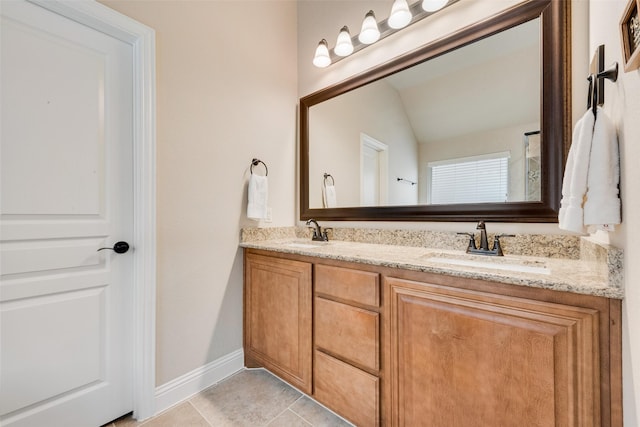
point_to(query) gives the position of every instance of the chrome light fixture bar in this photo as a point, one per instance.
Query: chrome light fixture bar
(418, 11)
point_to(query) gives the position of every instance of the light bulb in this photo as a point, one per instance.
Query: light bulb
(433, 5)
(400, 14)
(369, 32)
(344, 47)
(321, 58)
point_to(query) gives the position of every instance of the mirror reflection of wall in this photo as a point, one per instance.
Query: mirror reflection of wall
(475, 101)
(335, 144)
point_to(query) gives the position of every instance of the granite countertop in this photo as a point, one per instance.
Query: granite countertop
(598, 276)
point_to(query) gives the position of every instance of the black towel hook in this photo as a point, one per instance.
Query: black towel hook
(596, 79)
(327, 175)
(594, 97)
(256, 162)
(590, 92)
(610, 74)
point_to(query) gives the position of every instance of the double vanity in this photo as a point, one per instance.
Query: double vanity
(408, 330)
(404, 327)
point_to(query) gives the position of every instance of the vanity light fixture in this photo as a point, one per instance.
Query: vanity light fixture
(433, 5)
(344, 46)
(369, 32)
(321, 58)
(401, 16)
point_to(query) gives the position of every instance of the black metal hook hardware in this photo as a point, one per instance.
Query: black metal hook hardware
(256, 162)
(407, 181)
(596, 79)
(118, 247)
(609, 74)
(327, 175)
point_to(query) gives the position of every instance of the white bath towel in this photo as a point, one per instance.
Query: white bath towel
(258, 194)
(602, 206)
(574, 183)
(329, 198)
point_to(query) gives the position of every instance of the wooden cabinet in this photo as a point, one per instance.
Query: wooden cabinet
(348, 332)
(277, 318)
(461, 357)
(347, 390)
(347, 343)
(391, 347)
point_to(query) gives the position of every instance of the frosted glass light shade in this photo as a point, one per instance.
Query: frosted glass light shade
(433, 5)
(400, 14)
(344, 47)
(321, 58)
(369, 32)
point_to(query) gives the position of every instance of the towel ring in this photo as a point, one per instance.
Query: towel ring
(326, 175)
(256, 162)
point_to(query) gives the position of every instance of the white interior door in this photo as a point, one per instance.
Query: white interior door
(370, 176)
(373, 171)
(65, 190)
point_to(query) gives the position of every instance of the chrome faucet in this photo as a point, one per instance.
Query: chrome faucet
(484, 242)
(318, 234)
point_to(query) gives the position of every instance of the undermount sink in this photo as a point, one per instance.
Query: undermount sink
(306, 245)
(493, 263)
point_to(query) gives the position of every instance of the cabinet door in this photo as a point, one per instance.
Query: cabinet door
(466, 358)
(277, 318)
(349, 391)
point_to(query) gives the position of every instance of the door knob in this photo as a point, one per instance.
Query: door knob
(119, 247)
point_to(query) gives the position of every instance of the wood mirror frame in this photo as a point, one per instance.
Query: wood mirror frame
(555, 121)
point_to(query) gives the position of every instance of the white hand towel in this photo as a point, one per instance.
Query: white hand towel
(258, 193)
(329, 198)
(602, 207)
(574, 183)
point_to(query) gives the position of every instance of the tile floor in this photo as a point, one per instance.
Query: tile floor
(252, 397)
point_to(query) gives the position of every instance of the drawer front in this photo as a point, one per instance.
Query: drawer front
(349, 391)
(347, 332)
(362, 287)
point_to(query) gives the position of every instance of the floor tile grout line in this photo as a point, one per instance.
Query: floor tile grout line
(323, 407)
(296, 401)
(198, 411)
(288, 408)
(302, 396)
(303, 418)
(293, 412)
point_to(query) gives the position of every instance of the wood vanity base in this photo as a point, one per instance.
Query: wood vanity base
(395, 347)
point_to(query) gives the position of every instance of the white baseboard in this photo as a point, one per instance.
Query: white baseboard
(182, 388)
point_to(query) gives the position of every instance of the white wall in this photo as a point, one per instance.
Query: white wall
(226, 92)
(481, 96)
(622, 104)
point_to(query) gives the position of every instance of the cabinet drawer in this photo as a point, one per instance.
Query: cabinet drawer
(347, 332)
(357, 286)
(349, 391)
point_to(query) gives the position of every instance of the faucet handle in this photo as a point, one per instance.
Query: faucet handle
(497, 248)
(472, 240)
(325, 236)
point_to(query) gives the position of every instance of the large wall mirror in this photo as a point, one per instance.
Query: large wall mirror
(472, 126)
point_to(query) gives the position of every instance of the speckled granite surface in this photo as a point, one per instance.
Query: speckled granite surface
(557, 262)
